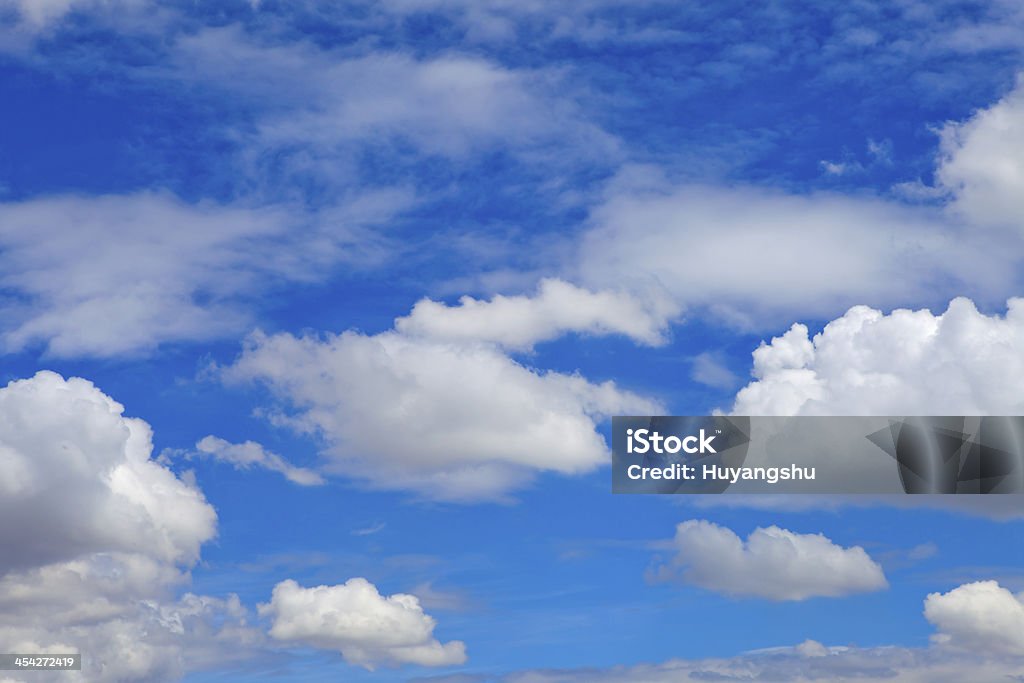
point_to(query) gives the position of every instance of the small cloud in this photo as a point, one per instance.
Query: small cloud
(772, 563)
(367, 628)
(880, 151)
(708, 369)
(243, 456)
(922, 551)
(982, 617)
(835, 167)
(370, 530)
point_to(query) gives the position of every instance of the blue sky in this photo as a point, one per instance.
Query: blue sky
(376, 275)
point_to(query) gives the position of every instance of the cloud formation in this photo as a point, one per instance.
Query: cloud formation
(121, 274)
(447, 421)
(251, 454)
(772, 563)
(978, 617)
(65, 440)
(960, 362)
(98, 538)
(981, 163)
(353, 618)
(520, 322)
(447, 105)
(755, 257)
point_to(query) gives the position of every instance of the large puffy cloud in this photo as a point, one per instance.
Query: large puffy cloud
(355, 619)
(980, 617)
(772, 563)
(65, 440)
(98, 538)
(960, 362)
(450, 421)
(755, 257)
(559, 307)
(106, 276)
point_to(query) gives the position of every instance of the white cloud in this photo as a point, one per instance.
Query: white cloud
(961, 362)
(454, 422)
(980, 617)
(98, 538)
(39, 13)
(355, 619)
(772, 563)
(110, 275)
(982, 163)
(519, 322)
(65, 440)
(251, 454)
(708, 369)
(751, 256)
(449, 105)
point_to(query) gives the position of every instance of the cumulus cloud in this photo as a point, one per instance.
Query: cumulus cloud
(980, 617)
(251, 454)
(772, 563)
(105, 276)
(752, 257)
(98, 538)
(981, 163)
(960, 362)
(559, 307)
(449, 421)
(65, 440)
(353, 618)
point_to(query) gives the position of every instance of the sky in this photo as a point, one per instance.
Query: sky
(313, 317)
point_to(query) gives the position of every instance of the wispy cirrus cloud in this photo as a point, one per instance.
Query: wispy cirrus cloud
(122, 274)
(250, 454)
